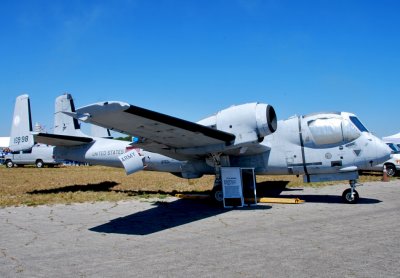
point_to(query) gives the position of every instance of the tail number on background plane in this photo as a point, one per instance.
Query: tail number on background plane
(21, 139)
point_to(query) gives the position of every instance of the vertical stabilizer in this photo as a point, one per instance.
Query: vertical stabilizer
(98, 131)
(64, 124)
(21, 127)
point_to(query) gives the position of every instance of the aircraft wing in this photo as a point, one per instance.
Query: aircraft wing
(156, 132)
(60, 140)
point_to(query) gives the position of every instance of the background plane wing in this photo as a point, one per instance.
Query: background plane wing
(156, 132)
(61, 140)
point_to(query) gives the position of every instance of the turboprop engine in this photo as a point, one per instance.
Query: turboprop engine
(249, 122)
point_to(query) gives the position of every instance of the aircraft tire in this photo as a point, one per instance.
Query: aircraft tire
(217, 195)
(390, 170)
(9, 164)
(346, 196)
(39, 163)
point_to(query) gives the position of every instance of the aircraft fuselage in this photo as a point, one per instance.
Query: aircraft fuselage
(304, 145)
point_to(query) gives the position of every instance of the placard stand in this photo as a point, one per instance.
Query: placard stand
(249, 186)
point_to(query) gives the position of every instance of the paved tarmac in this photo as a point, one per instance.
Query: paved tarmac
(181, 238)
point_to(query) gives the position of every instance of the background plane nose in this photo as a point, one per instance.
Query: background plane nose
(382, 150)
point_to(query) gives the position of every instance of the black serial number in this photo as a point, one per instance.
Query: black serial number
(21, 139)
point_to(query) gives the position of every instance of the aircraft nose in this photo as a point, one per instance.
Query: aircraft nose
(382, 150)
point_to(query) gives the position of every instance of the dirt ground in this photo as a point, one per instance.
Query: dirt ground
(77, 184)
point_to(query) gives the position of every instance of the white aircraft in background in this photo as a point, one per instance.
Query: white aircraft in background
(324, 146)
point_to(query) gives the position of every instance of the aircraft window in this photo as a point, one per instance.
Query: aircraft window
(358, 124)
(394, 148)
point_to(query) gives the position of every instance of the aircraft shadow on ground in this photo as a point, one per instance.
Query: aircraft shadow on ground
(264, 189)
(278, 189)
(107, 186)
(273, 188)
(96, 187)
(165, 215)
(330, 199)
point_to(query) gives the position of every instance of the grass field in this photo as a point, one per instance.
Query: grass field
(66, 185)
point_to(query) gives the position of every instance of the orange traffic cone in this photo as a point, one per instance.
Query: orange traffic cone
(385, 176)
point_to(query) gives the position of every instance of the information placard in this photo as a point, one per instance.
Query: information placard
(232, 186)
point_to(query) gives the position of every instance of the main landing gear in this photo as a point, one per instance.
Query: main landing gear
(350, 195)
(216, 194)
(218, 160)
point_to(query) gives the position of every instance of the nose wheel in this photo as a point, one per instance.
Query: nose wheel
(350, 195)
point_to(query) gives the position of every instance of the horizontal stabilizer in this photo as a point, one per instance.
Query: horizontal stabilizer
(61, 140)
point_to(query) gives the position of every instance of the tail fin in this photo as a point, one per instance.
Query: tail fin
(98, 131)
(21, 127)
(64, 124)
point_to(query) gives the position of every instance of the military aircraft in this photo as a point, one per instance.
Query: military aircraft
(323, 146)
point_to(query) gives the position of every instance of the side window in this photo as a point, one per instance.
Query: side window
(27, 151)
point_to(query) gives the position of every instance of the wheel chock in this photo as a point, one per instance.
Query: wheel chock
(259, 200)
(192, 196)
(281, 200)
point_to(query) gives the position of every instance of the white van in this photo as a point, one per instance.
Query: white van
(40, 155)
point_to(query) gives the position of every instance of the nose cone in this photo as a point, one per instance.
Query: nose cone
(382, 151)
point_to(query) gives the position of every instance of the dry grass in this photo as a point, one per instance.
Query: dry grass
(65, 185)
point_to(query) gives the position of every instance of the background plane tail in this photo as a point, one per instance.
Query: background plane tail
(67, 125)
(64, 124)
(98, 131)
(21, 127)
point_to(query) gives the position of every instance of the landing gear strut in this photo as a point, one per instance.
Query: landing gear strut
(350, 195)
(216, 193)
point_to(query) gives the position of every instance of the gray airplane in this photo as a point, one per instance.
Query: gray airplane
(324, 146)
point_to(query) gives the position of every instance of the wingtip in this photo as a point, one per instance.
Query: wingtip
(79, 116)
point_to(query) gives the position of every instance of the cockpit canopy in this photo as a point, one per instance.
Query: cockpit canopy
(334, 130)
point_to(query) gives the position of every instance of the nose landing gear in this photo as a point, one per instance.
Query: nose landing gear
(350, 195)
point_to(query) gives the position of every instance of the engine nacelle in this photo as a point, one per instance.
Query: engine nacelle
(248, 122)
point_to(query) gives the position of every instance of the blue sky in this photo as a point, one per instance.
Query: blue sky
(190, 59)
